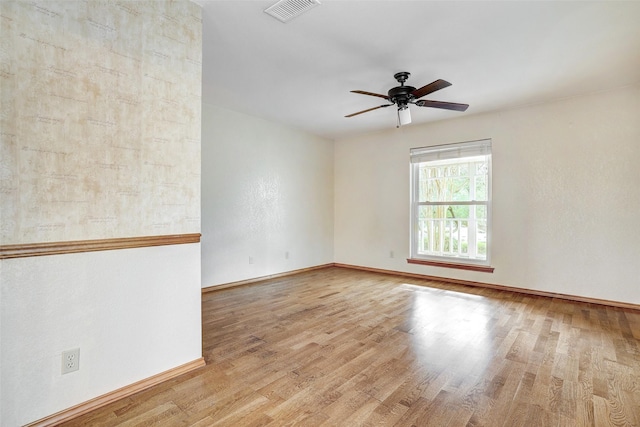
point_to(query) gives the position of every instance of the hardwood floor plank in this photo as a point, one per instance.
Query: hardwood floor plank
(383, 415)
(341, 347)
(601, 412)
(416, 410)
(160, 415)
(584, 413)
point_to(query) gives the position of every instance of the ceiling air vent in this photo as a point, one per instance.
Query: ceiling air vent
(286, 10)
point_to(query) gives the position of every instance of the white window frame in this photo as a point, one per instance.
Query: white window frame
(442, 153)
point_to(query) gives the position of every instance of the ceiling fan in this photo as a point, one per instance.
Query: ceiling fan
(403, 95)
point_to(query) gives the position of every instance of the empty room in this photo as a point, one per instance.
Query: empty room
(319, 213)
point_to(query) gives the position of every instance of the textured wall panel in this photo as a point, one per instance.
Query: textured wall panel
(100, 119)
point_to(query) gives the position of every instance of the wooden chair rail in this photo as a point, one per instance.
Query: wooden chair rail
(56, 248)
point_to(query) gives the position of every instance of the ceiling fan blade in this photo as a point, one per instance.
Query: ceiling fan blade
(362, 92)
(430, 88)
(440, 104)
(370, 109)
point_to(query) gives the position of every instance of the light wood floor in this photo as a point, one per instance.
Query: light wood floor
(340, 347)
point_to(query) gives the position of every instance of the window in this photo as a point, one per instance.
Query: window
(451, 203)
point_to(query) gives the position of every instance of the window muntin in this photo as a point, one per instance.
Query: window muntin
(451, 202)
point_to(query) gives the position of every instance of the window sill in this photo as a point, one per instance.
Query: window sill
(472, 267)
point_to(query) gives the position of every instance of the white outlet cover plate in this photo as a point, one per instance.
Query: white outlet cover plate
(70, 360)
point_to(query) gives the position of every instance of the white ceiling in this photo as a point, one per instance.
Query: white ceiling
(497, 55)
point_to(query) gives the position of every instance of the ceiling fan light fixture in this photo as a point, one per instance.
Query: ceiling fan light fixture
(404, 115)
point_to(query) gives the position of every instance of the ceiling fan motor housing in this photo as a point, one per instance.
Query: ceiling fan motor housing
(401, 95)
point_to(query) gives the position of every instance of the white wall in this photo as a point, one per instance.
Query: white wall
(133, 313)
(266, 190)
(565, 195)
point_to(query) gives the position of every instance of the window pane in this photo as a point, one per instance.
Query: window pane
(461, 211)
(460, 189)
(481, 240)
(437, 184)
(481, 188)
(481, 212)
(458, 180)
(448, 230)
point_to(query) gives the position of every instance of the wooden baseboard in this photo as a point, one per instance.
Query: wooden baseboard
(105, 399)
(262, 278)
(575, 298)
(76, 246)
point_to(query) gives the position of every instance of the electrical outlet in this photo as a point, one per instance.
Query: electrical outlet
(70, 360)
(286, 255)
(250, 260)
(391, 254)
